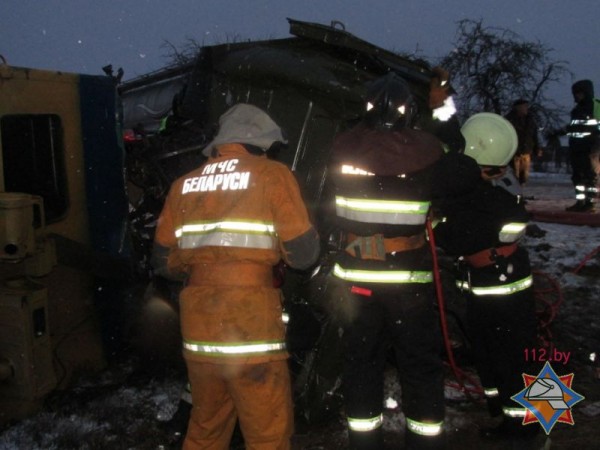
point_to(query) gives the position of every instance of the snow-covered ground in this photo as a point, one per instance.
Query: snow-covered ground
(123, 407)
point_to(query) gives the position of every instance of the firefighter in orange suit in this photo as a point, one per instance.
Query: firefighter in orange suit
(382, 181)
(224, 226)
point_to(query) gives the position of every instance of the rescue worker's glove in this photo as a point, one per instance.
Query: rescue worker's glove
(167, 264)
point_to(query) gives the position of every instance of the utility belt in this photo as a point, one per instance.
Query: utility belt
(488, 256)
(376, 246)
(232, 274)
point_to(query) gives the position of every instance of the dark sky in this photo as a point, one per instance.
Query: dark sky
(84, 35)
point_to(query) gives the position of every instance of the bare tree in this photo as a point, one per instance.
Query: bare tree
(181, 55)
(187, 52)
(491, 67)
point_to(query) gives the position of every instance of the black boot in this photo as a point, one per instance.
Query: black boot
(510, 429)
(366, 440)
(419, 442)
(494, 406)
(576, 207)
(589, 205)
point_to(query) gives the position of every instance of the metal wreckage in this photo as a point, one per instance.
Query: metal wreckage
(78, 204)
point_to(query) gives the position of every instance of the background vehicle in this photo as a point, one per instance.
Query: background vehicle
(63, 223)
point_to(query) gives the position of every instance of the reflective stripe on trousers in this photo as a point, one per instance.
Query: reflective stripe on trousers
(514, 412)
(504, 289)
(414, 426)
(583, 192)
(491, 392)
(424, 428)
(363, 425)
(382, 276)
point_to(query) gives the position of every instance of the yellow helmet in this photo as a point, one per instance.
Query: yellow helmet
(491, 140)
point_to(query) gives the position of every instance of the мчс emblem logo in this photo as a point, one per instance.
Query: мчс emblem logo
(548, 398)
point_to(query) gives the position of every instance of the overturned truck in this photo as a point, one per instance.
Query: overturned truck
(312, 84)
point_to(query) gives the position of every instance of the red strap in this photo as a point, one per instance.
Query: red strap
(361, 291)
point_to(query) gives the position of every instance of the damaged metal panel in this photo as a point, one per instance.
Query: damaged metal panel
(149, 99)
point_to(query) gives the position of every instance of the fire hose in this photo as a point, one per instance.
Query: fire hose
(459, 374)
(586, 259)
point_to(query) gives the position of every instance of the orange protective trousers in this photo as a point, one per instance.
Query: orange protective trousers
(521, 166)
(258, 394)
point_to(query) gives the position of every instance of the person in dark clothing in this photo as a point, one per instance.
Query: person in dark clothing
(583, 132)
(382, 179)
(482, 226)
(527, 131)
(443, 121)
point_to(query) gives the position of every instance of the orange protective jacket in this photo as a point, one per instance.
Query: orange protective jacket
(225, 223)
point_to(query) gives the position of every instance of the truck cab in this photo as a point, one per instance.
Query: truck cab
(63, 212)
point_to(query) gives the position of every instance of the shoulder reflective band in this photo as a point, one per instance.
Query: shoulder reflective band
(512, 232)
(365, 424)
(348, 169)
(491, 392)
(233, 349)
(583, 124)
(382, 276)
(579, 134)
(227, 234)
(424, 428)
(382, 211)
(514, 412)
(505, 289)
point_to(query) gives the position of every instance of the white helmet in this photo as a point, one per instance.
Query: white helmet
(491, 140)
(246, 124)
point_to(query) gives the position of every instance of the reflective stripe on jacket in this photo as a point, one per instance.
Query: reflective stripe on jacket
(583, 128)
(502, 289)
(382, 180)
(227, 234)
(382, 211)
(234, 348)
(512, 232)
(382, 276)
